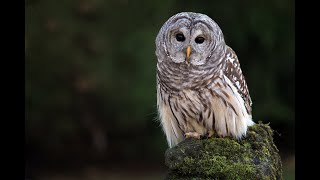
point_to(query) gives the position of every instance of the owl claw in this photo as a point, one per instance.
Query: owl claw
(210, 133)
(204, 136)
(220, 135)
(192, 135)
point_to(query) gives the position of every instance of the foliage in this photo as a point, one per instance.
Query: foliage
(90, 70)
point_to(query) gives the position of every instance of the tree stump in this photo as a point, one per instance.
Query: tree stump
(252, 157)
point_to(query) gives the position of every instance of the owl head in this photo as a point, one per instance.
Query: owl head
(190, 38)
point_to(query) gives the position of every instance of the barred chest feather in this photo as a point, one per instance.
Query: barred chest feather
(216, 107)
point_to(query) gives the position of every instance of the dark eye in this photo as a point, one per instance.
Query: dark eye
(180, 37)
(199, 40)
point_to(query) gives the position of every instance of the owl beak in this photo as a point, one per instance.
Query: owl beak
(188, 51)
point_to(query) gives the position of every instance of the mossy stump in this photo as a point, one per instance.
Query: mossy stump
(253, 157)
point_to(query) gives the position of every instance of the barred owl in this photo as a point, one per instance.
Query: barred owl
(200, 86)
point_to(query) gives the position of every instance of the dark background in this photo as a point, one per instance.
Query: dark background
(90, 96)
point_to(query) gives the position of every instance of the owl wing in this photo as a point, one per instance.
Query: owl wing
(233, 71)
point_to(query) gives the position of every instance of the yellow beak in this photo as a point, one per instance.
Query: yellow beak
(188, 51)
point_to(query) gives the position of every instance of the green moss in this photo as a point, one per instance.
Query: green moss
(253, 157)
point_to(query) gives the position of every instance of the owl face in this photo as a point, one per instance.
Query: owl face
(189, 38)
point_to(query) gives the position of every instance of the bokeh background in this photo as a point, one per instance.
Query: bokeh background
(90, 109)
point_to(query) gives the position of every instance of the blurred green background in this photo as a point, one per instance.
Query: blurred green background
(90, 109)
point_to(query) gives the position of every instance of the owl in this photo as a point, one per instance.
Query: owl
(201, 90)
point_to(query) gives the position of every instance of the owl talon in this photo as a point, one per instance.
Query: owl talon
(192, 135)
(210, 133)
(220, 135)
(204, 136)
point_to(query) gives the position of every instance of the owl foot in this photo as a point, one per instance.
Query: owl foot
(210, 133)
(220, 135)
(192, 135)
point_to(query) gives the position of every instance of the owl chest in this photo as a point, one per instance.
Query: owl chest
(190, 108)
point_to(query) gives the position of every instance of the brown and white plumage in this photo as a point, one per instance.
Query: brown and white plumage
(200, 86)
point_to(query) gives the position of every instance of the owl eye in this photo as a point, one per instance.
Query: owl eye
(199, 40)
(180, 37)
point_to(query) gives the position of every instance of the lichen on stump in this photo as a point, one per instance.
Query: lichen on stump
(253, 157)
